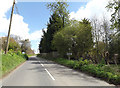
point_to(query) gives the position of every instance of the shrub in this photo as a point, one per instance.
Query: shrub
(81, 62)
(115, 79)
(101, 74)
(102, 62)
(76, 65)
(19, 53)
(11, 52)
(107, 68)
(25, 56)
(70, 63)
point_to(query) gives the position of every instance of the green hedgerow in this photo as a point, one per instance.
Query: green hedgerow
(115, 79)
(107, 68)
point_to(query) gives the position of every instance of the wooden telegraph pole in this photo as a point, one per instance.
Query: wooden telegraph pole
(8, 37)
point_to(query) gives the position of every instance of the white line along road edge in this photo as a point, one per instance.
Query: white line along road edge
(49, 74)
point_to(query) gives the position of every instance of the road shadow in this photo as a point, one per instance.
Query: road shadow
(47, 62)
(35, 63)
(37, 68)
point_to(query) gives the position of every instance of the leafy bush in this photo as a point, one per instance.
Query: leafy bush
(81, 62)
(102, 62)
(76, 65)
(115, 79)
(11, 52)
(19, 53)
(107, 69)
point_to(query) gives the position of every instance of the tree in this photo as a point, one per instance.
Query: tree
(12, 45)
(101, 33)
(55, 24)
(60, 8)
(106, 28)
(114, 46)
(115, 4)
(16, 38)
(63, 40)
(26, 47)
(96, 32)
(84, 37)
(76, 39)
(57, 21)
(43, 43)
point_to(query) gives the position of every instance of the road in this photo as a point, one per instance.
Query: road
(40, 72)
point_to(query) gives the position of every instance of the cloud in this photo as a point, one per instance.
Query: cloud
(36, 35)
(18, 27)
(35, 38)
(4, 24)
(5, 5)
(92, 8)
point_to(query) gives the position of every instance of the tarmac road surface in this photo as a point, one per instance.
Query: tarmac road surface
(40, 72)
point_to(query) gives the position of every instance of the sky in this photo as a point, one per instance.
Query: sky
(30, 18)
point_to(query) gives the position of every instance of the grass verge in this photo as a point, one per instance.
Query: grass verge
(11, 61)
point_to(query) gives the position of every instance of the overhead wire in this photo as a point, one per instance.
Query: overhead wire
(16, 7)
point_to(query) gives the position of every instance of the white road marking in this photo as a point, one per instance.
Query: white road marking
(49, 74)
(47, 71)
(42, 65)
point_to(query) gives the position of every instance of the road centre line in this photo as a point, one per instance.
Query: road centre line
(42, 65)
(47, 71)
(50, 74)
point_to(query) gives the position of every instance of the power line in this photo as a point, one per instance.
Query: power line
(17, 11)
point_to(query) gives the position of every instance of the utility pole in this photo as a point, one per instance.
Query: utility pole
(8, 37)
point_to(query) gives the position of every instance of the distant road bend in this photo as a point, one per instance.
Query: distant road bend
(40, 72)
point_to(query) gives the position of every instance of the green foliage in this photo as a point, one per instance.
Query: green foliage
(19, 53)
(102, 63)
(83, 62)
(14, 45)
(57, 21)
(11, 52)
(10, 61)
(26, 47)
(115, 4)
(55, 24)
(60, 8)
(76, 39)
(114, 47)
(107, 69)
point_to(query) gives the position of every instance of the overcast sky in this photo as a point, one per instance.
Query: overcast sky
(33, 17)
